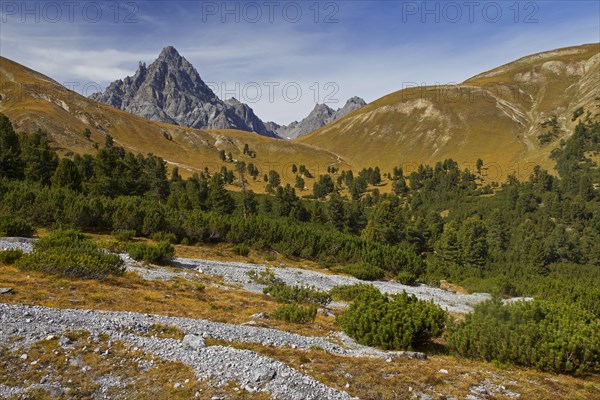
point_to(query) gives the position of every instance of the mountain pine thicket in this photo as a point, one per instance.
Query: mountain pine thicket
(539, 237)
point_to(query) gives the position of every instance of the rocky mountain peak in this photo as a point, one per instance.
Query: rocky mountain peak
(171, 90)
(320, 116)
(169, 53)
(355, 101)
(322, 108)
(233, 100)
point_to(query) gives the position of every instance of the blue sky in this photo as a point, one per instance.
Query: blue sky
(283, 56)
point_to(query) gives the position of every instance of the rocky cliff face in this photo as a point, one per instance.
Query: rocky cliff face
(171, 90)
(320, 116)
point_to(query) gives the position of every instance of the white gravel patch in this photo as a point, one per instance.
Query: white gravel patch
(237, 273)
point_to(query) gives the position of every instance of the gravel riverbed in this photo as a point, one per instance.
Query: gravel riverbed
(237, 273)
(21, 325)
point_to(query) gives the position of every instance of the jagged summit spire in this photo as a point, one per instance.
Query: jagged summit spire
(169, 53)
(171, 90)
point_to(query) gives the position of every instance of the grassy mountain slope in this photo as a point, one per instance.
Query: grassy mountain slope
(494, 116)
(32, 100)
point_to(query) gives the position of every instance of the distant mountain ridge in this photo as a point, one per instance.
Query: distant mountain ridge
(320, 116)
(511, 117)
(170, 90)
(34, 101)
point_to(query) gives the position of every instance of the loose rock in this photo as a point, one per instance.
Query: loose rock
(193, 342)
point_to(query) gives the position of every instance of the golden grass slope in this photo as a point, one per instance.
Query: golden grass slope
(494, 116)
(32, 100)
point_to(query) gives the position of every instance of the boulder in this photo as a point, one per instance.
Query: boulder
(263, 375)
(193, 342)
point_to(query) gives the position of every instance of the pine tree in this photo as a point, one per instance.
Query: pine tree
(250, 201)
(472, 242)
(497, 235)
(447, 248)
(285, 200)
(375, 176)
(384, 225)
(196, 189)
(479, 165)
(357, 219)
(323, 187)
(318, 216)
(336, 212)
(175, 177)
(357, 187)
(538, 258)
(40, 161)
(67, 175)
(11, 165)
(399, 186)
(154, 176)
(274, 181)
(241, 168)
(219, 200)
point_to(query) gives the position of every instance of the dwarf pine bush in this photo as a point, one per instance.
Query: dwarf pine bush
(70, 253)
(295, 313)
(399, 322)
(547, 336)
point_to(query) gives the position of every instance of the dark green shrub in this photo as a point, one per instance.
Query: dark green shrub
(350, 292)
(550, 337)
(241, 250)
(295, 313)
(70, 253)
(400, 322)
(9, 256)
(64, 238)
(164, 237)
(297, 294)
(265, 277)
(161, 253)
(546, 138)
(124, 235)
(364, 271)
(15, 226)
(407, 278)
(113, 246)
